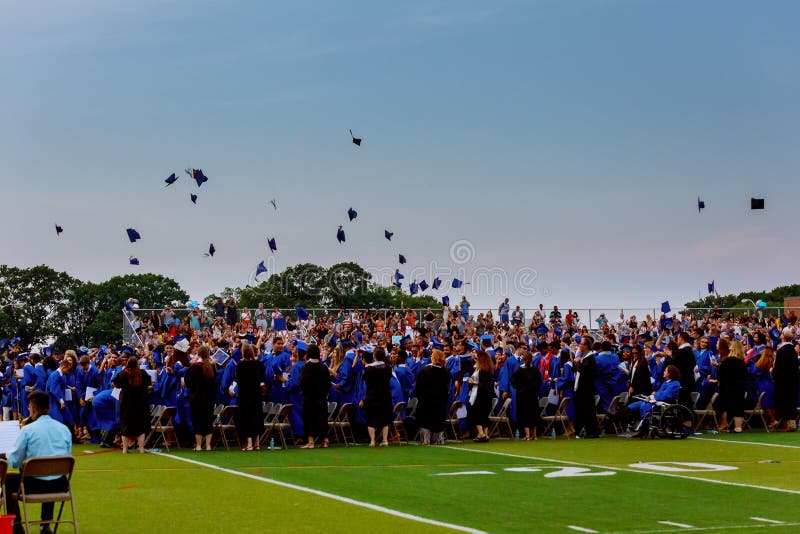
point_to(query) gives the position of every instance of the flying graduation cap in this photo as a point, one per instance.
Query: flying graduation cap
(171, 179)
(701, 204)
(272, 246)
(388, 235)
(423, 285)
(352, 214)
(413, 288)
(59, 230)
(457, 283)
(197, 175)
(302, 313)
(665, 307)
(274, 203)
(133, 261)
(356, 140)
(340, 235)
(445, 301)
(194, 198)
(711, 287)
(133, 235)
(436, 283)
(261, 269)
(401, 259)
(398, 275)
(756, 203)
(211, 250)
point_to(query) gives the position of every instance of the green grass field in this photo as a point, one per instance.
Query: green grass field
(605, 485)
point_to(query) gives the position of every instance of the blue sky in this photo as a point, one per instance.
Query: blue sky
(569, 139)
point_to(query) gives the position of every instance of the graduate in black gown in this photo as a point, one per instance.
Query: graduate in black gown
(315, 382)
(785, 374)
(480, 396)
(585, 411)
(200, 381)
(527, 380)
(432, 388)
(378, 397)
(249, 417)
(134, 404)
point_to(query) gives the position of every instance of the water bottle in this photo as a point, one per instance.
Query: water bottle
(272, 444)
(553, 434)
(583, 433)
(713, 432)
(155, 450)
(516, 435)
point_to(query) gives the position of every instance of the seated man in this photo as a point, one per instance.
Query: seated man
(43, 437)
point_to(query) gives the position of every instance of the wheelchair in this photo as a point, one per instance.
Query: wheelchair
(665, 420)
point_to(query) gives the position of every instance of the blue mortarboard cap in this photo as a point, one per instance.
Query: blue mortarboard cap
(133, 261)
(668, 324)
(541, 330)
(445, 301)
(665, 307)
(487, 339)
(302, 313)
(398, 284)
(578, 338)
(199, 177)
(301, 345)
(437, 344)
(711, 287)
(15, 341)
(352, 214)
(3, 344)
(423, 285)
(103, 349)
(22, 356)
(171, 179)
(359, 337)
(405, 339)
(126, 350)
(398, 275)
(557, 331)
(347, 343)
(133, 235)
(366, 348)
(756, 203)
(401, 259)
(83, 350)
(388, 235)
(356, 140)
(59, 230)
(272, 245)
(473, 345)
(700, 205)
(436, 283)
(250, 337)
(47, 351)
(413, 288)
(194, 198)
(457, 283)
(340, 235)
(261, 268)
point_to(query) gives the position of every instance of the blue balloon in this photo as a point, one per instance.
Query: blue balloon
(761, 304)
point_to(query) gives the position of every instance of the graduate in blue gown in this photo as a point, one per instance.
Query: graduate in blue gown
(668, 392)
(565, 381)
(293, 391)
(27, 383)
(56, 388)
(608, 373)
(227, 377)
(86, 378)
(511, 364)
(279, 365)
(104, 416)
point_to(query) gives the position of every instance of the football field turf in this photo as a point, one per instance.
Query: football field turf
(715, 483)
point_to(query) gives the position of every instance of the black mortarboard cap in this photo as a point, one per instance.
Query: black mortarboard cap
(133, 235)
(133, 261)
(388, 235)
(445, 301)
(436, 283)
(413, 288)
(401, 259)
(423, 285)
(171, 179)
(756, 203)
(211, 250)
(352, 213)
(274, 203)
(340, 235)
(700, 204)
(356, 140)
(59, 230)
(194, 198)
(272, 246)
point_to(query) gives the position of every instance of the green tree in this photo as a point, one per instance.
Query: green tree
(33, 302)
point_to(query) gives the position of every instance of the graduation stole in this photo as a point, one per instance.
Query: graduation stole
(544, 366)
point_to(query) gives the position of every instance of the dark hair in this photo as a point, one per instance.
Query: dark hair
(673, 372)
(208, 369)
(685, 337)
(313, 352)
(672, 346)
(40, 401)
(379, 355)
(132, 370)
(484, 361)
(606, 346)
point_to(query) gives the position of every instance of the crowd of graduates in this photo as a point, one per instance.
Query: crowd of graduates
(377, 359)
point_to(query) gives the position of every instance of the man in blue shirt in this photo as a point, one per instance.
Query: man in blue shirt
(43, 437)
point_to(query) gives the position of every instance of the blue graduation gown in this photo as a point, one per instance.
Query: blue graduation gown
(607, 376)
(504, 384)
(565, 384)
(406, 382)
(228, 377)
(104, 414)
(28, 380)
(280, 362)
(56, 385)
(295, 396)
(668, 392)
(41, 377)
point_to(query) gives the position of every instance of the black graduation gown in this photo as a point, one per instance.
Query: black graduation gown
(249, 416)
(785, 373)
(640, 380)
(732, 376)
(202, 394)
(527, 381)
(685, 361)
(378, 396)
(432, 390)
(134, 404)
(315, 381)
(585, 411)
(478, 413)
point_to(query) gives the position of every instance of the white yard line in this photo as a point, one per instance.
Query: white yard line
(582, 529)
(765, 520)
(333, 496)
(781, 445)
(720, 527)
(643, 472)
(673, 524)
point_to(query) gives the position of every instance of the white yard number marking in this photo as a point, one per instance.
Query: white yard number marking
(557, 472)
(684, 467)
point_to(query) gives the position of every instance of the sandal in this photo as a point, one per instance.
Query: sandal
(384, 444)
(247, 449)
(307, 446)
(324, 445)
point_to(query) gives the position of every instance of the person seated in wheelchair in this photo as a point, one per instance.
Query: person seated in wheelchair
(667, 393)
